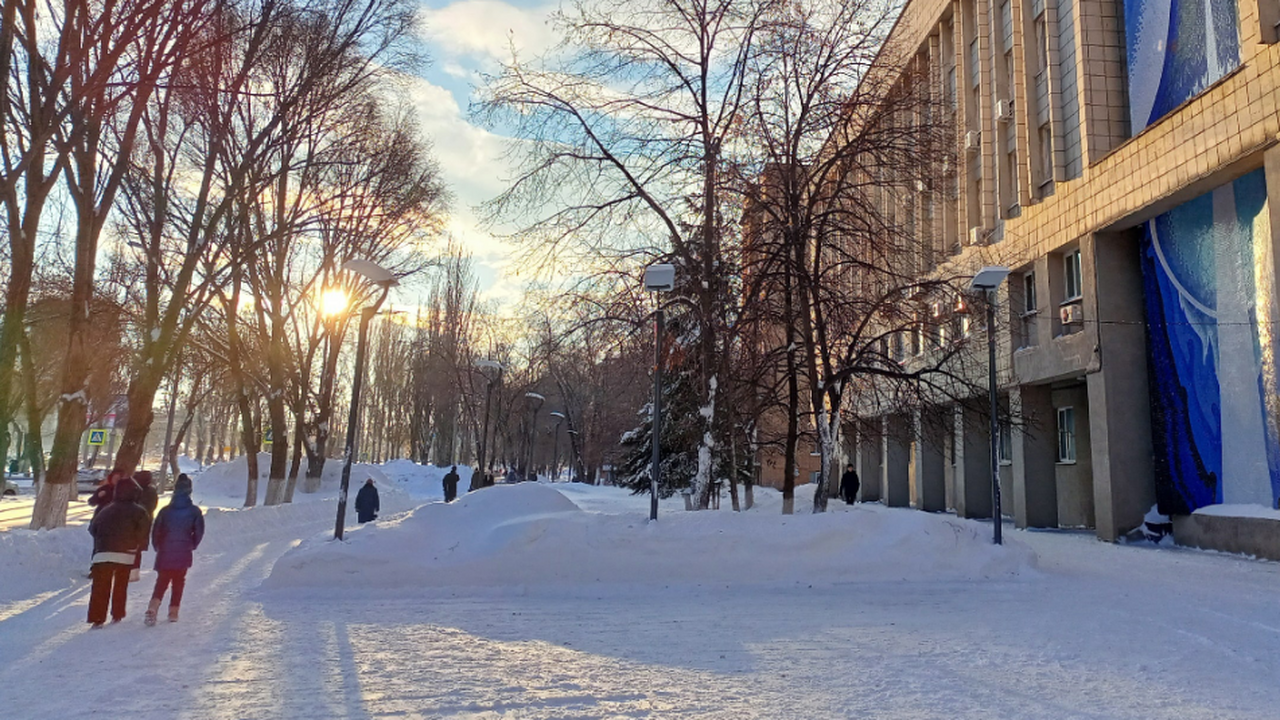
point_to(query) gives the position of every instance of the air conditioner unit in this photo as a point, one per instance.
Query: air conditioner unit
(973, 141)
(1071, 314)
(1004, 111)
(975, 236)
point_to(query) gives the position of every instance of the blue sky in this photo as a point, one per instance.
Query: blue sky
(464, 39)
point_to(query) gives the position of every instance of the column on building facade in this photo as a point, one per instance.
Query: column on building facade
(1119, 402)
(928, 486)
(1102, 86)
(1035, 493)
(867, 462)
(895, 480)
(973, 463)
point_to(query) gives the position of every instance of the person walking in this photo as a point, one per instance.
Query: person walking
(177, 532)
(367, 502)
(451, 484)
(849, 484)
(118, 531)
(149, 499)
(104, 493)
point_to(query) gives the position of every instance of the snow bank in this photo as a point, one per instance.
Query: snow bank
(1240, 511)
(37, 561)
(425, 482)
(224, 484)
(532, 535)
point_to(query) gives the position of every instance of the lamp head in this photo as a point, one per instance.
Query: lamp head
(989, 278)
(371, 270)
(660, 278)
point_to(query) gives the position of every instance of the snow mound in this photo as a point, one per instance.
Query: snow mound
(425, 482)
(224, 484)
(36, 561)
(532, 535)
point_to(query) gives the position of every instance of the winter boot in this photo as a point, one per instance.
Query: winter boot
(173, 613)
(152, 609)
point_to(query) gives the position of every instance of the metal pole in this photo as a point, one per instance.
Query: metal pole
(996, 514)
(657, 414)
(353, 418)
(484, 436)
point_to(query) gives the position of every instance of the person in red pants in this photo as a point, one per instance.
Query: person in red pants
(118, 531)
(178, 530)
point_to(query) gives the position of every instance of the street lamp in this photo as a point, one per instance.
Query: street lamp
(555, 446)
(484, 431)
(575, 468)
(383, 278)
(657, 278)
(534, 401)
(988, 280)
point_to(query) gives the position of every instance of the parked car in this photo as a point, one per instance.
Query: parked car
(9, 487)
(88, 480)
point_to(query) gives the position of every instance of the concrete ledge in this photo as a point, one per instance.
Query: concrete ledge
(1249, 536)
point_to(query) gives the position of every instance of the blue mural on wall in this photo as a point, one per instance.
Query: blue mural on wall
(1209, 294)
(1176, 48)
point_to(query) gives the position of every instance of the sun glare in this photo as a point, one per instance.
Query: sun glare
(333, 302)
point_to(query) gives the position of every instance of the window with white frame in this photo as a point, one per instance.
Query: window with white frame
(1073, 287)
(1066, 435)
(1006, 443)
(1029, 292)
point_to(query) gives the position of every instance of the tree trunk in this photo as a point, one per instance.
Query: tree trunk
(141, 394)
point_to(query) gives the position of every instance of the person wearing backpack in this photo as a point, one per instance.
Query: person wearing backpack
(178, 530)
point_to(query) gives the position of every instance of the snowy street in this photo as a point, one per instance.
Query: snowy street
(1079, 629)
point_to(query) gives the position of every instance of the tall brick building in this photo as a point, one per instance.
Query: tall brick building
(1122, 158)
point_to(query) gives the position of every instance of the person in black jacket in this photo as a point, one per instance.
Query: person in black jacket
(451, 484)
(367, 502)
(149, 499)
(118, 531)
(177, 533)
(104, 493)
(849, 484)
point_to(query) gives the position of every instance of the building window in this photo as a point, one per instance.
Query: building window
(1072, 285)
(1006, 443)
(1066, 435)
(1029, 293)
(965, 326)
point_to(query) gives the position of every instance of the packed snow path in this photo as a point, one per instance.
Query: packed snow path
(1096, 631)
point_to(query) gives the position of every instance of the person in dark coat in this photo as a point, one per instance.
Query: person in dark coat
(367, 502)
(451, 484)
(118, 531)
(177, 532)
(148, 500)
(104, 493)
(849, 484)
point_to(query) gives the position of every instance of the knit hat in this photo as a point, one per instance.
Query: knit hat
(182, 485)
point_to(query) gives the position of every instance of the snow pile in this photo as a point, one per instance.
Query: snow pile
(189, 465)
(531, 534)
(425, 482)
(1240, 510)
(36, 561)
(224, 484)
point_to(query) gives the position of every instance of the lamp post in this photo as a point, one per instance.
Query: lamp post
(383, 278)
(657, 278)
(555, 446)
(484, 431)
(534, 401)
(988, 280)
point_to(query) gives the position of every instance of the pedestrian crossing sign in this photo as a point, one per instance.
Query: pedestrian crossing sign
(97, 437)
(268, 437)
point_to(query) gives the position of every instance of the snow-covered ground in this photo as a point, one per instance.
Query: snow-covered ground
(561, 601)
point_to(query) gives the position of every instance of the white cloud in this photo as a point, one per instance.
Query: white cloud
(487, 29)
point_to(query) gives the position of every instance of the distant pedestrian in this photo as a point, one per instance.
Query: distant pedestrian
(118, 531)
(849, 484)
(451, 484)
(177, 532)
(367, 502)
(149, 499)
